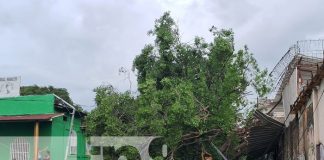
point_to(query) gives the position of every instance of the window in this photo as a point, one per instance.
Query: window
(73, 143)
(19, 149)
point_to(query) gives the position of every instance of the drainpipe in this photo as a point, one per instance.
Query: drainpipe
(70, 132)
(71, 126)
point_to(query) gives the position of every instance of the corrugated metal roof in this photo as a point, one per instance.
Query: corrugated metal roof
(39, 117)
(263, 137)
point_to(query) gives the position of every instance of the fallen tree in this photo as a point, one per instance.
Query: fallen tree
(191, 94)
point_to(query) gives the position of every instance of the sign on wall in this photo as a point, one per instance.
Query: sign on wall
(9, 86)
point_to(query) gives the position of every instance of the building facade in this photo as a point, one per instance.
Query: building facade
(298, 105)
(40, 128)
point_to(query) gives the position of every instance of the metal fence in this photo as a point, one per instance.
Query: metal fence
(312, 49)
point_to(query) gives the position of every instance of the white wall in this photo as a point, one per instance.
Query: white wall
(319, 115)
(289, 95)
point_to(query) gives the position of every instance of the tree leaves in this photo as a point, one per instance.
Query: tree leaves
(190, 94)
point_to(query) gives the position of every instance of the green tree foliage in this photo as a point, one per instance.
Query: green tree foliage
(113, 116)
(37, 90)
(190, 94)
(61, 92)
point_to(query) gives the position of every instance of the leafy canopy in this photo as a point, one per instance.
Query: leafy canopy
(190, 94)
(37, 90)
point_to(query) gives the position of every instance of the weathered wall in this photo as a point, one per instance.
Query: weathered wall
(299, 135)
(318, 112)
(289, 95)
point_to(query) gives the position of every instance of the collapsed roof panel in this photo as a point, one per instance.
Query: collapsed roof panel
(263, 137)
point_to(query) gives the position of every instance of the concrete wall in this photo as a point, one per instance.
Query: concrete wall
(319, 114)
(53, 138)
(54, 134)
(10, 131)
(299, 137)
(60, 128)
(289, 95)
(27, 105)
(306, 131)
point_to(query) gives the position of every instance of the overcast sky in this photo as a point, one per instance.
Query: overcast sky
(80, 45)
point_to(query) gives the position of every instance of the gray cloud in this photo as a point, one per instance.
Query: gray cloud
(79, 45)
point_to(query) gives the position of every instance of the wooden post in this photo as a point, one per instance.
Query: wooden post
(36, 140)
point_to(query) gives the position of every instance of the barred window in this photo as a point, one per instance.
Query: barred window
(19, 149)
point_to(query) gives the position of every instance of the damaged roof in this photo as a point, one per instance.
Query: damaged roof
(263, 137)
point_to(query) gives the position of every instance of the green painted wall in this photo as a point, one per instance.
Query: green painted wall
(53, 134)
(53, 137)
(60, 128)
(25, 105)
(10, 131)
